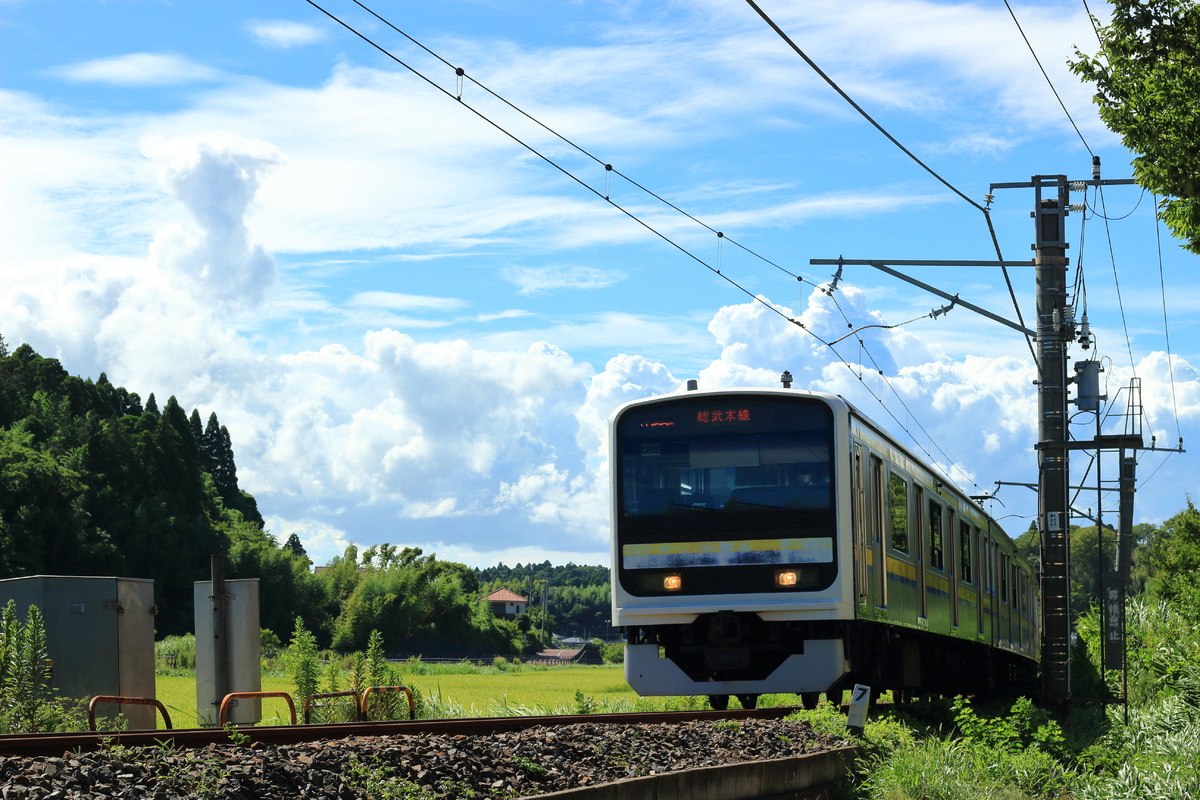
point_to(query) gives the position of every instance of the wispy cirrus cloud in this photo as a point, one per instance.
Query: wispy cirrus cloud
(283, 34)
(137, 69)
(544, 280)
(397, 301)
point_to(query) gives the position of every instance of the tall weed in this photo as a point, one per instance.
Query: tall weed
(1154, 756)
(25, 695)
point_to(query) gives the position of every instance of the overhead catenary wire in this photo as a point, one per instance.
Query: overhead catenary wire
(983, 209)
(863, 348)
(460, 76)
(609, 169)
(1045, 75)
(549, 161)
(1162, 283)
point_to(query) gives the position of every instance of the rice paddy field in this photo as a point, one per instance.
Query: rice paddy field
(456, 691)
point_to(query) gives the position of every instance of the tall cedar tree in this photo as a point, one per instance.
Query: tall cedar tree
(92, 483)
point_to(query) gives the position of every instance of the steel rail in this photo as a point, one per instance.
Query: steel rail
(57, 744)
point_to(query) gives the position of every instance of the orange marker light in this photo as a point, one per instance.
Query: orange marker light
(672, 583)
(786, 577)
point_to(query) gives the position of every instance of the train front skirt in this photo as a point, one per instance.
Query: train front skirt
(819, 667)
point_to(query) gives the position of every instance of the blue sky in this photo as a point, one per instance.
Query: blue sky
(415, 328)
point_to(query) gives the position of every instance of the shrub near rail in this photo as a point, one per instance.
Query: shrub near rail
(1100, 755)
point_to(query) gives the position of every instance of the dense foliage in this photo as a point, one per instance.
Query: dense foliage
(1145, 749)
(93, 482)
(1146, 76)
(1094, 552)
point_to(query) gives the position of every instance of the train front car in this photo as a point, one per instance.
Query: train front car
(731, 567)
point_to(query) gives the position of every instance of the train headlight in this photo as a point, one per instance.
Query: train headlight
(672, 583)
(786, 578)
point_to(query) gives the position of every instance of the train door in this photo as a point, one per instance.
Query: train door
(879, 554)
(862, 535)
(1005, 609)
(952, 566)
(919, 557)
(977, 551)
(989, 589)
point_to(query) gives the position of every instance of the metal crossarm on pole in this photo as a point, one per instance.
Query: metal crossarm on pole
(882, 266)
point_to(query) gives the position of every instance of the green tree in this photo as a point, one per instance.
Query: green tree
(91, 484)
(296, 547)
(43, 527)
(1174, 556)
(1092, 555)
(288, 591)
(1147, 79)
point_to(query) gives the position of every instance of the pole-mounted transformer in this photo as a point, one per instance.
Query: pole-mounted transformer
(1087, 383)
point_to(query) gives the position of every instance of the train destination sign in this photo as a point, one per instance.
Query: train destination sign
(677, 555)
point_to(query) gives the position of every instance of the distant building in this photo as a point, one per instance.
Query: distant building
(506, 604)
(588, 653)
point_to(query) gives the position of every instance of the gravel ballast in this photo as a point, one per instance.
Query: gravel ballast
(414, 767)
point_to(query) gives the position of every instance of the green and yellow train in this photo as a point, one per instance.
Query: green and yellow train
(776, 540)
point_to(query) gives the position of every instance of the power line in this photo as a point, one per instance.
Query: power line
(721, 237)
(1162, 283)
(1136, 205)
(462, 75)
(1092, 19)
(856, 106)
(567, 173)
(833, 84)
(1116, 280)
(1047, 77)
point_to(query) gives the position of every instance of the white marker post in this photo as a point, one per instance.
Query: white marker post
(856, 718)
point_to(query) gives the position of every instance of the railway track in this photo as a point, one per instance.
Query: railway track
(55, 744)
(709, 755)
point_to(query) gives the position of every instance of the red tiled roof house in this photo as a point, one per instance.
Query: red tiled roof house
(506, 604)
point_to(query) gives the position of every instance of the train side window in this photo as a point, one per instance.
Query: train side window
(964, 552)
(898, 512)
(1003, 579)
(937, 558)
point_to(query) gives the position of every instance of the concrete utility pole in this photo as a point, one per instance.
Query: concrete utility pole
(1055, 326)
(1055, 331)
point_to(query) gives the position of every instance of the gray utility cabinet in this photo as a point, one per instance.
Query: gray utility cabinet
(99, 634)
(242, 669)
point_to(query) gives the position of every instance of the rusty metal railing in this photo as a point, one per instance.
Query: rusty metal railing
(362, 705)
(222, 715)
(325, 695)
(136, 701)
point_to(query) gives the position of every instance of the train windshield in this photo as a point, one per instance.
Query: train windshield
(730, 480)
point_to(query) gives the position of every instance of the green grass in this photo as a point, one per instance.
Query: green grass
(473, 692)
(546, 689)
(481, 692)
(178, 694)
